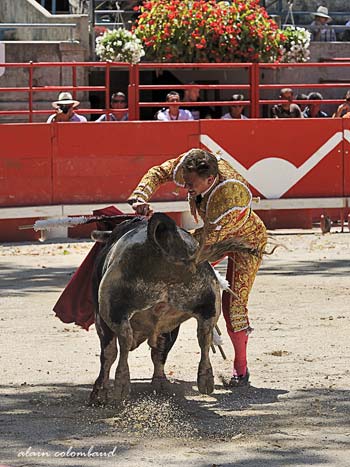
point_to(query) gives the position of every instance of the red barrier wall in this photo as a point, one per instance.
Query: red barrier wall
(25, 165)
(68, 163)
(104, 162)
(9, 231)
(346, 157)
(283, 158)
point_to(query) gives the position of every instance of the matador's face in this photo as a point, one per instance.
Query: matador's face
(196, 184)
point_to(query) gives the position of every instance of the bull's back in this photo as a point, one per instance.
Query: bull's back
(136, 275)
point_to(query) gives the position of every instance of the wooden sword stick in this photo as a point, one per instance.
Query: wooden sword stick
(45, 224)
(220, 346)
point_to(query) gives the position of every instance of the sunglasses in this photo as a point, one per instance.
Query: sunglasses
(118, 102)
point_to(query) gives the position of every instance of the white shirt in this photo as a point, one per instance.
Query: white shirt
(164, 115)
(228, 117)
(74, 118)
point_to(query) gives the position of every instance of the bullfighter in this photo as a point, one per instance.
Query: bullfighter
(220, 196)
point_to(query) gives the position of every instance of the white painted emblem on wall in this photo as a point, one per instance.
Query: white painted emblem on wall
(347, 135)
(274, 176)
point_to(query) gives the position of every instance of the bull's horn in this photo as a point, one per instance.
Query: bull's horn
(101, 236)
(220, 249)
(162, 232)
(158, 226)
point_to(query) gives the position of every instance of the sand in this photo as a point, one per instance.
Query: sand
(296, 411)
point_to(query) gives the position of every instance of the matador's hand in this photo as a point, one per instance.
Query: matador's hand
(142, 208)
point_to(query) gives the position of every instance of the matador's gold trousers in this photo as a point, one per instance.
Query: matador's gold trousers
(241, 271)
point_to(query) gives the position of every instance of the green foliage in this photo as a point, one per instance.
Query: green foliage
(208, 31)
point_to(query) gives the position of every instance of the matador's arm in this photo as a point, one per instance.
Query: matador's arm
(153, 179)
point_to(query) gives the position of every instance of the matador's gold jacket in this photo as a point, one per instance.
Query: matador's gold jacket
(225, 208)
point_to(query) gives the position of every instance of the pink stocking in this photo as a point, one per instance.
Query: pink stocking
(239, 341)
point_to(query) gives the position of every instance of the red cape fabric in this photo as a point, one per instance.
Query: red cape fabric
(75, 304)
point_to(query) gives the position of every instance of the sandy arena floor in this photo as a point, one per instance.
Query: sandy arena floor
(296, 412)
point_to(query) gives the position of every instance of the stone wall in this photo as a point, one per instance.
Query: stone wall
(29, 11)
(24, 52)
(311, 6)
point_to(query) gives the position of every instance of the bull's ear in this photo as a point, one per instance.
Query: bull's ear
(101, 236)
(161, 230)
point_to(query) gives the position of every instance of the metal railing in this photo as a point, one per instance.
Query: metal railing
(53, 6)
(71, 26)
(74, 87)
(250, 84)
(117, 16)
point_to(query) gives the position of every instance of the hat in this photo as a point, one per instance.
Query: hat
(313, 96)
(65, 98)
(237, 97)
(118, 94)
(322, 11)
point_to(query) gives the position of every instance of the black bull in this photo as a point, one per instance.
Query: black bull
(146, 284)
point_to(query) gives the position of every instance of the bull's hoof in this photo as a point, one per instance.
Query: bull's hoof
(160, 383)
(121, 390)
(98, 396)
(205, 381)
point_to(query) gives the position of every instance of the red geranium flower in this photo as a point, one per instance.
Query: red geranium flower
(208, 31)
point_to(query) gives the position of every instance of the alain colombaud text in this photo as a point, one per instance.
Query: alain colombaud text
(70, 452)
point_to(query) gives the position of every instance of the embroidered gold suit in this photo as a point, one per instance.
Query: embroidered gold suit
(226, 212)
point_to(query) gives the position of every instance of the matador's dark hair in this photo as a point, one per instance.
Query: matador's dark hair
(201, 162)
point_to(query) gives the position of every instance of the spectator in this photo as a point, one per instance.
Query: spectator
(192, 95)
(235, 111)
(301, 97)
(173, 112)
(65, 106)
(78, 7)
(119, 109)
(346, 33)
(344, 109)
(288, 109)
(314, 110)
(320, 30)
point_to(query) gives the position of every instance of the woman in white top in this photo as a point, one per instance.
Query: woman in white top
(173, 112)
(235, 111)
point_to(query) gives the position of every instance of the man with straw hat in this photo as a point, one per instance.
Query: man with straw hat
(65, 106)
(319, 28)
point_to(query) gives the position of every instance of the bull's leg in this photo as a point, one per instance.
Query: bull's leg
(107, 358)
(159, 355)
(205, 378)
(122, 374)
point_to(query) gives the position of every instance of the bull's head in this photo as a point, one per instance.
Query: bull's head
(176, 247)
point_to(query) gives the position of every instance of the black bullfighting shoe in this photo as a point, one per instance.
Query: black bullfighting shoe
(239, 381)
